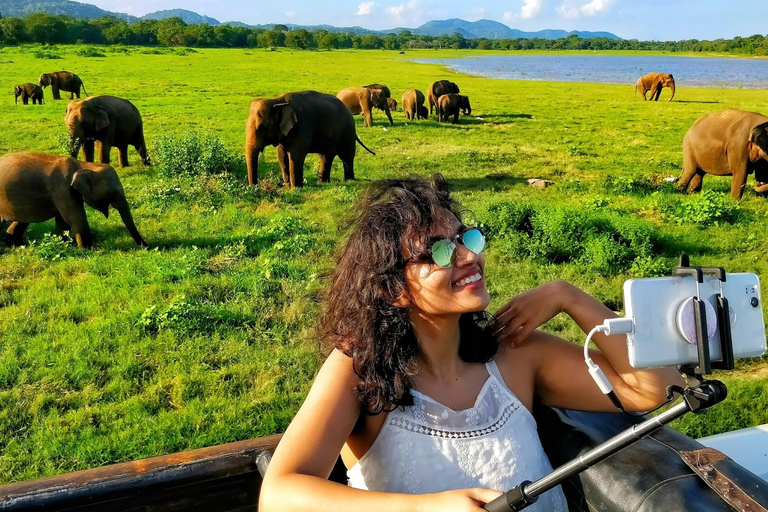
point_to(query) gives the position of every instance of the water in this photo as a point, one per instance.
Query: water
(688, 71)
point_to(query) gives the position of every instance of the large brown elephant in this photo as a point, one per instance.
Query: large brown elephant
(28, 91)
(299, 123)
(36, 187)
(437, 89)
(450, 104)
(110, 121)
(362, 100)
(654, 82)
(732, 142)
(62, 81)
(413, 105)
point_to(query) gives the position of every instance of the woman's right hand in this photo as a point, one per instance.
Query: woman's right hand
(462, 500)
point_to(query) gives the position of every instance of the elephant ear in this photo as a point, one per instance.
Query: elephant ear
(82, 181)
(376, 96)
(102, 119)
(759, 136)
(286, 117)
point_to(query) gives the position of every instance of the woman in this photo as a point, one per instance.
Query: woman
(425, 397)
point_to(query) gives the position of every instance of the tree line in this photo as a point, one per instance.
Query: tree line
(60, 29)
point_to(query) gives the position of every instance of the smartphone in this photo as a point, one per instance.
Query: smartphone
(662, 315)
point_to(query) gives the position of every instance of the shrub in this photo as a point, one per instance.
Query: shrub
(52, 247)
(628, 184)
(605, 243)
(67, 144)
(47, 55)
(707, 208)
(194, 154)
(89, 52)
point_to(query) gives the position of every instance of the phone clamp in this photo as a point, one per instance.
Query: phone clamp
(705, 364)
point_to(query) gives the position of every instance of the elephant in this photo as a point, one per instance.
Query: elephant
(655, 82)
(110, 121)
(36, 187)
(62, 81)
(413, 105)
(299, 123)
(392, 104)
(437, 89)
(731, 142)
(450, 104)
(28, 91)
(362, 100)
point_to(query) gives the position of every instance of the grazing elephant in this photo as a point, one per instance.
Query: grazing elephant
(654, 82)
(413, 105)
(732, 142)
(28, 91)
(361, 100)
(36, 187)
(62, 81)
(437, 89)
(110, 121)
(299, 123)
(450, 104)
(392, 104)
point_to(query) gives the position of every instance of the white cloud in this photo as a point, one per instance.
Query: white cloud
(365, 8)
(528, 11)
(592, 8)
(290, 14)
(398, 12)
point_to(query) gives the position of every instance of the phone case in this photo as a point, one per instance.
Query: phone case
(655, 304)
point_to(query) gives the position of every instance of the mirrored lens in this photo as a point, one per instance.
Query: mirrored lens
(474, 240)
(444, 253)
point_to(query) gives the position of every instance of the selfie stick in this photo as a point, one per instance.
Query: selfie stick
(697, 395)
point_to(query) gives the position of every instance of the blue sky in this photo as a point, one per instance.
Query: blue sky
(641, 19)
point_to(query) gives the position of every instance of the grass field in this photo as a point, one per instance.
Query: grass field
(118, 353)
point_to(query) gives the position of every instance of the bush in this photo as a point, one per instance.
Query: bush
(604, 243)
(195, 154)
(89, 52)
(47, 55)
(707, 208)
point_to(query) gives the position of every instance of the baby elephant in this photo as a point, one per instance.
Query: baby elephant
(413, 105)
(110, 121)
(732, 142)
(450, 104)
(36, 187)
(28, 91)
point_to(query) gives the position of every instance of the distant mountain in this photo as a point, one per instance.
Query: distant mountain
(21, 8)
(487, 29)
(189, 17)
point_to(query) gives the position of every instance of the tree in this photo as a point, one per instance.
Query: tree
(172, 32)
(299, 39)
(280, 28)
(145, 32)
(44, 28)
(14, 31)
(271, 38)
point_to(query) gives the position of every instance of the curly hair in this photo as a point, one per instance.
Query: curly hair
(391, 221)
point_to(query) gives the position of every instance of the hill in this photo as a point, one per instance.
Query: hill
(22, 8)
(487, 29)
(188, 16)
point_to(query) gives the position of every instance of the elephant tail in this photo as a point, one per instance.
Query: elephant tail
(83, 86)
(365, 148)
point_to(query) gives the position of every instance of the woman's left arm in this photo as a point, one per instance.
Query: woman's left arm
(561, 375)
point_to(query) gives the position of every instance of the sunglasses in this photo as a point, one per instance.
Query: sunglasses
(443, 250)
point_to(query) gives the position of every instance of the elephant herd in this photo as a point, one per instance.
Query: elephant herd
(299, 123)
(728, 143)
(36, 187)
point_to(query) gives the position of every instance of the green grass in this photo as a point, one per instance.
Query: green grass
(118, 353)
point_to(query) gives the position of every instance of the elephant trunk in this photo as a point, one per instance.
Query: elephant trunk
(672, 88)
(121, 205)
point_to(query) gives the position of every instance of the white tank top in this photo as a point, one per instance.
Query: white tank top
(428, 447)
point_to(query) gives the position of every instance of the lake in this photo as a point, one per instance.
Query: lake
(688, 71)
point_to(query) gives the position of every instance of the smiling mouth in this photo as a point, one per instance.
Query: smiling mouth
(469, 279)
